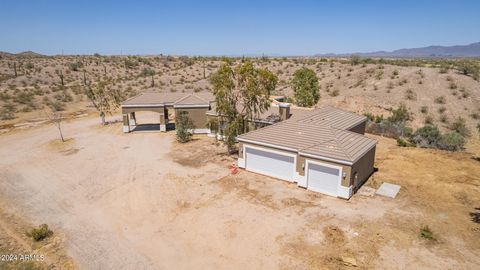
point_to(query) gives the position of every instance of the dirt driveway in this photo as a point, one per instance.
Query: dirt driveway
(142, 201)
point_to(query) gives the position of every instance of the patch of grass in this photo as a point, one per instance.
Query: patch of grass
(426, 232)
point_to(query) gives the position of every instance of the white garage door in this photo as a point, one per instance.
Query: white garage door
(268, 163)
(323, 179)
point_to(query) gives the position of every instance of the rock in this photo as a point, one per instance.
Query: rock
(349, 261)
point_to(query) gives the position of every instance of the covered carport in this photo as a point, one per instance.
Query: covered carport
(148, 102)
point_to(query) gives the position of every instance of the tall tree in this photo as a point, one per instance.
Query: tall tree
(243, 85)
(104, 98)
(305, 86)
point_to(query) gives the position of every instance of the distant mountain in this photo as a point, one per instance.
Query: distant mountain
(471, 50)
(27, 54)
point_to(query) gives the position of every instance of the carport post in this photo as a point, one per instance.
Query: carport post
(133, 119)
(126, 123)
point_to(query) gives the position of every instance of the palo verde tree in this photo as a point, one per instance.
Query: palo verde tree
(305, 86)
(104, 97)
(244, 85)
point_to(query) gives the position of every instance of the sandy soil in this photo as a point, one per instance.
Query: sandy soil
(144, 201)
(361, 88)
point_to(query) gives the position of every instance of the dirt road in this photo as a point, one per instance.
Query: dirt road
(143, 201)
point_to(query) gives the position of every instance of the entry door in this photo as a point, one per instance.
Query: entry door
(270, 163)
(323, 179)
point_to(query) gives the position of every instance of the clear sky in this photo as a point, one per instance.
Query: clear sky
(234, 27)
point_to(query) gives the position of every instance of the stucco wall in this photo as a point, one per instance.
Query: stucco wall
(142, 109)
(360, 128)
(364, 168)
(198, 116)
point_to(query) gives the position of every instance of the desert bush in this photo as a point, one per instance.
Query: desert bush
(401, 142)
(427, 136)
(428, 119)
(410, 94)
(24, 97)
(443, 118)
(7, 112)
(184, 127)
(388, 129)
(451, 141)
(40, 233)
(400, 115)
(442, 109)
(426, 232)
(459, 126)
(29, 65)
(75, 66)
(424, 109)
(335, 93)
(55, 105)
(440, 100)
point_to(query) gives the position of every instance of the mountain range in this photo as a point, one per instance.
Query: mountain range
(471, 50)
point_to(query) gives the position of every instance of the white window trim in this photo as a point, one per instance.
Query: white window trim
(340, 171)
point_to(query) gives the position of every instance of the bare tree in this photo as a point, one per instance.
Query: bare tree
(56, 118)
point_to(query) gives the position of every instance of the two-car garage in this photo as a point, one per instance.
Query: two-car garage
(320, 177)
(316, 156)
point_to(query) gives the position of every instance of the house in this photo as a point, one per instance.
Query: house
(194, 104)
(323, 150)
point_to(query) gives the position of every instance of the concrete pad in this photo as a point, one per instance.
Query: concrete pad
(388, 190)
(366, 191)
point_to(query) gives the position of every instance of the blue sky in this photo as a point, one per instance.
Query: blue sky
(234, 27)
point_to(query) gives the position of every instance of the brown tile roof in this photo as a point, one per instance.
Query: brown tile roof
(192, 100)
(272, 110)
(333, 117)
(161, 99)
(313, 136)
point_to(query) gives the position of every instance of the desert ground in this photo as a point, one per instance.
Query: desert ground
(144, 201)
(434, 91)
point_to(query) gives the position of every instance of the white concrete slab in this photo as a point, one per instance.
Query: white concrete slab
(388, 190)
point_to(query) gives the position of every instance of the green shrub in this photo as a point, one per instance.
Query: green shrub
(459, 126)
(7, 112)
(401, 142)
(451, 141)
(426, 232)
(40, 233)
(184, 127)
(427, 136)
(400, 115)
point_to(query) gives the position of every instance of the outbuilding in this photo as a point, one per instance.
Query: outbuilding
(324, 151)
(165, 104)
